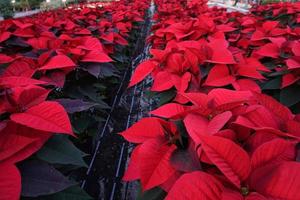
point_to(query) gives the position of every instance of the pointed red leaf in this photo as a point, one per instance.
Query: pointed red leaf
(154, 163)
(296, 48)
(225, 28)
(30, 95)
(274, 106)
(4, 36)
(198, 99)
(10, 182)
(229, 194)
(220, 52)
(278, 181)
(276, 150)
(249, 71)
(91, 43)
(47, 116)
(194, 186)
(269, 25)
(57, 62)
(195, 126)
(224, 96)
(174, 63)
(257, 139)
(261, 117)
(246, 85)
(289, 79)
(269, 50)
(5, 59)
(219, 75)
(184, 82)
(132, 172)
(141, 71)
(18, 142)
(19, 68)
(56, 78)
(293, 127)
(16, 81)
(170, 110)
(218, 122)
(292, 63)
(279, 41)
(22, 25)
(230, 158)
(162, 82)
(146, 128)
(198, 125)
(258, 35)
(96, 56)
(227, 133)
(166, 186)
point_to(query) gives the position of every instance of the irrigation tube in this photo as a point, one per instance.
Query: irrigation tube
(104, 129)
(124, 143)
(123, 146)
(133, 63)
(131, 146)
(145, 54)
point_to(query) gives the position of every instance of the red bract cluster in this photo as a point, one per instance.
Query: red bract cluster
(36, 55)
(221, 137)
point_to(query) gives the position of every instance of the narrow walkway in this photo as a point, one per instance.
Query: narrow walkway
(24, 14)
(140, 107)
(240, 7)
(109, 160)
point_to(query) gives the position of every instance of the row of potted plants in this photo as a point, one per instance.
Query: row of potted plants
(58, 71)
(228, 125)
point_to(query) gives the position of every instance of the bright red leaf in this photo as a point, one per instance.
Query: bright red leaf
(143, 130)
(57, 62)
(155, 167)
(47, 116)
(10, 182)
(230, 158)
(196, 185)
(278, 181)
(141, 71)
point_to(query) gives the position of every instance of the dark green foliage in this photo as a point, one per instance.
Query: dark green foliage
(27, 4)
(6, 9)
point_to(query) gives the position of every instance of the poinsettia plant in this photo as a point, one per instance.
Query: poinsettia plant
(240, 145)
(58, 70)
(231, 129)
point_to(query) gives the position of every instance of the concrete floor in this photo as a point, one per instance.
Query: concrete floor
(24, 14)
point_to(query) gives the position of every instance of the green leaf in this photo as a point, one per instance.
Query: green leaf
(77, 105)
(40, 178)
(72, 193)
(150, 94)
(279, 73)
(182, 143)
(81, 122)
(290, 95)
(60, 150)
(152, 194)
(90, 92)
(270, 65)
(165, 97)
(120, 57)
(273, 84)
